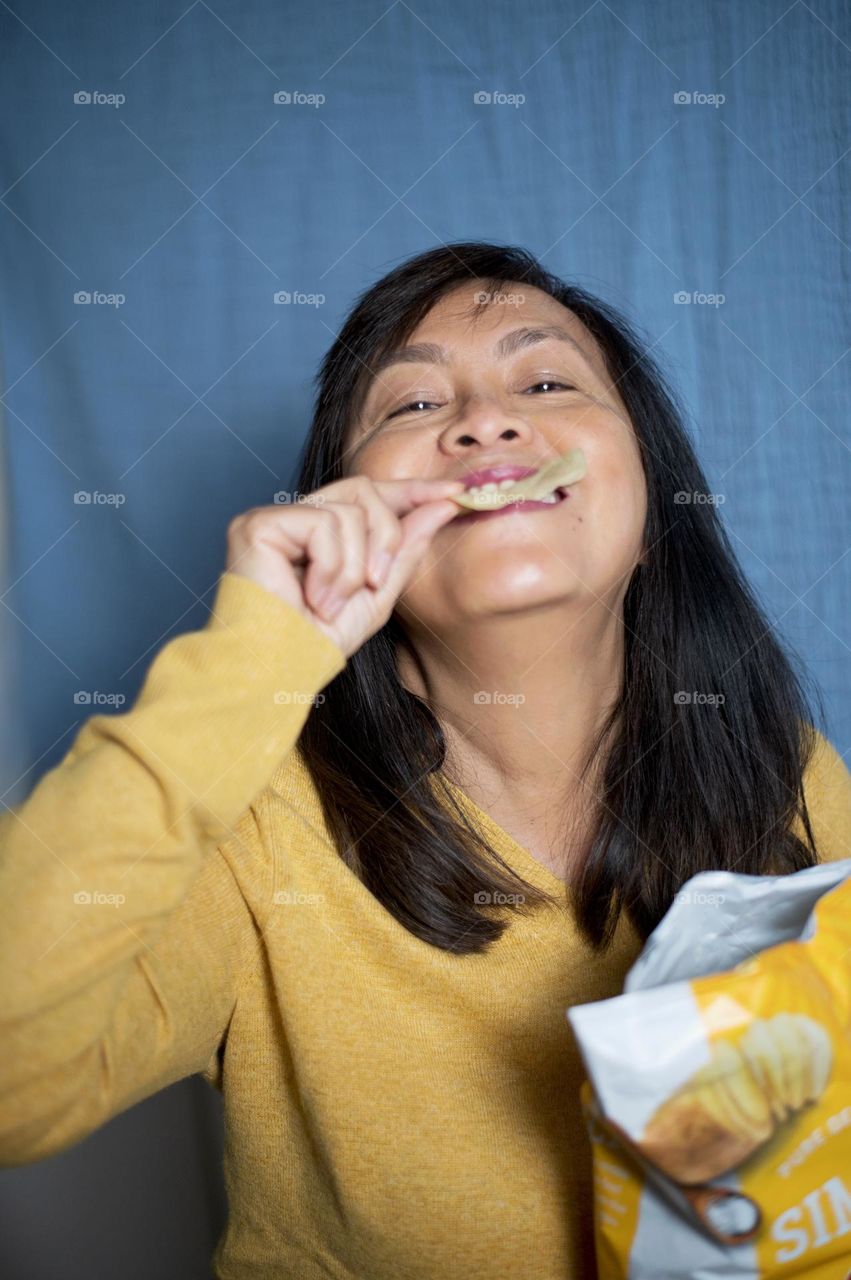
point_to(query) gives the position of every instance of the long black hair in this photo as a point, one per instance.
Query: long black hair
(685, 785)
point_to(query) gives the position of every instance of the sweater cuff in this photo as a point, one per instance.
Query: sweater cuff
(242, 606)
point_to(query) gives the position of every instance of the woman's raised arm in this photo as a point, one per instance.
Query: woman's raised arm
(123, 929)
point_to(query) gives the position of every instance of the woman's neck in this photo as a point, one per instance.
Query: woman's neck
(521, 700)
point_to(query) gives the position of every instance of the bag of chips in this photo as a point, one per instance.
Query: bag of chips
(719, 1092)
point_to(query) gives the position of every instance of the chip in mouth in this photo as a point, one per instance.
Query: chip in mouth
(542, 486)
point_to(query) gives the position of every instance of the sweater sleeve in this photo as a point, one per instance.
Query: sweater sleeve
(123, 927)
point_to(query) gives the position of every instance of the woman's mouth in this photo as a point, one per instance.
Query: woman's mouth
(546, 487)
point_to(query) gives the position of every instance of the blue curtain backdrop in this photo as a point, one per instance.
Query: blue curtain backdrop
(173, 173)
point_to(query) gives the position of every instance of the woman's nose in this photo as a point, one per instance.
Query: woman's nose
(466, 437)
(483, 423)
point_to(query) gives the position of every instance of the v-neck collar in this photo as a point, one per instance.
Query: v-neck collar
(515, 853)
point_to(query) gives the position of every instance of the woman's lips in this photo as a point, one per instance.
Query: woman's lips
(548, 480)
(504, 471)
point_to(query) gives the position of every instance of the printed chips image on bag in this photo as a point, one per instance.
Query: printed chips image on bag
(719, 1093)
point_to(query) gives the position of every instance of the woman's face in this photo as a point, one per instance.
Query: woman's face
(480, 406)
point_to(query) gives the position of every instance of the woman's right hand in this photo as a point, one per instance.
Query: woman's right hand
(332, 545)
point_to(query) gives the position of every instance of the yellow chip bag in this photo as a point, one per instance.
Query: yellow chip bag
(719, 1092)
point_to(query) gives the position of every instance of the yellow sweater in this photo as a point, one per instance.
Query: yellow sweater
(170, 903)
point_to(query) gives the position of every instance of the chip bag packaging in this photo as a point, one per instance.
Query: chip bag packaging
(719, 1093)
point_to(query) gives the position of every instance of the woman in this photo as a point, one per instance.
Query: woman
(423, 782)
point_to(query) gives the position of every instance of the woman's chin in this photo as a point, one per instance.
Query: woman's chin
(502, 599)
(508, 566)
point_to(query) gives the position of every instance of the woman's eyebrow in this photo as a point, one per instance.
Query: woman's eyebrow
(516, 340)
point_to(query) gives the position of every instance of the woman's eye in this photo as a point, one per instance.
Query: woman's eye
(406, 408)
(562, 386)
(415, 404)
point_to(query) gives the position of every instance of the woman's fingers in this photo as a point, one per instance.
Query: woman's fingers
(357, 542)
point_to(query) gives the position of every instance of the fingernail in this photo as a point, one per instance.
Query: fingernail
(381, 566)
(330, 603)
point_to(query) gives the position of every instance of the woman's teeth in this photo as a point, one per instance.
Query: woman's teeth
(547, 485)
(492, 486)
(484, 495)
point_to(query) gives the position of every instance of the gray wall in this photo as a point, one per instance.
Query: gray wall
(199, 198)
